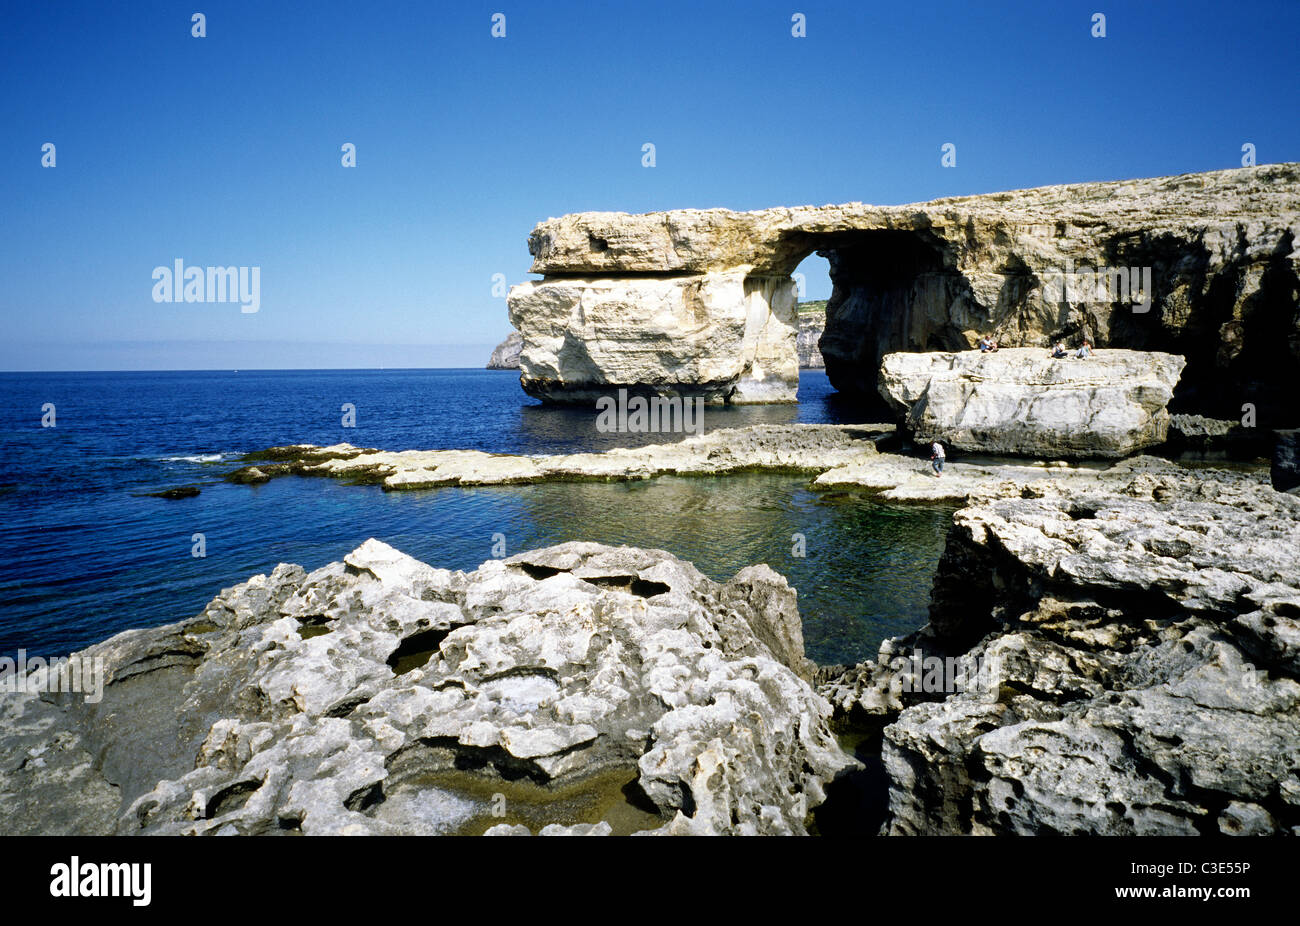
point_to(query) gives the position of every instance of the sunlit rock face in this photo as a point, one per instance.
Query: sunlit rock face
(1201, 265)
(1138, 647)
(721, 336)
(1024, 401)
(581, 687)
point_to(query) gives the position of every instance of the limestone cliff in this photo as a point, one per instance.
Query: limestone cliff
(812, 324)
(702, 300)
(506, 354)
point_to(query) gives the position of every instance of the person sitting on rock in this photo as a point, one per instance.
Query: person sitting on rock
(1059, 351)
(937, 458)
(986, 344)
(1084, 351)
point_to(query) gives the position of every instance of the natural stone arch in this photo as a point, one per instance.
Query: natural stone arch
(891, 290)
(701, 301)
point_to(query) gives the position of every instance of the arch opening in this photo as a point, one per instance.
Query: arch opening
(890, 290)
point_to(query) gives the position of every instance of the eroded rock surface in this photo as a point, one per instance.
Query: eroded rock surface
(587, 687)
(1145, 642)
(809, 448)
(721, 336)
(1025, 402)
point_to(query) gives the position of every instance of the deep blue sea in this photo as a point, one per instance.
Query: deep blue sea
(85, 553)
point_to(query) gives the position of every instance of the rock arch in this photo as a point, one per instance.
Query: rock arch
(700, 302)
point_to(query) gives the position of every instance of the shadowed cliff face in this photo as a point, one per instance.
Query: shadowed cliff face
(1235, 320)
(890, 291)
(1202, 265)
(1233, 314)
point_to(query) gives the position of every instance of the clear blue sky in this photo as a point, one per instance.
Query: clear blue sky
(225, 150)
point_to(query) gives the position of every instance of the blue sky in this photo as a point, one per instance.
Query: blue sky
(225, 150)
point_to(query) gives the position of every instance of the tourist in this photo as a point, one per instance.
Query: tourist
(986, 344)
(1084, 351)
(937, 458)
(1059, 351)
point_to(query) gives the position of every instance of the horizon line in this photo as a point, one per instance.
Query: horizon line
(263, 370)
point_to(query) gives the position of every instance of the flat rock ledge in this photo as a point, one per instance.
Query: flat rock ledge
(837, 457)
(806, 448)
(1116, 659)
(576, 689)
(1023, 401)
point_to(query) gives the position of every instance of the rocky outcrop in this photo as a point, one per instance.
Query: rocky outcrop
(809, 448)
(721, 336)
(1216, 438)
(1286, 461)
(839, 457)
(811, 327)
(1024, 401)
(1137, 651)
(582, 687)
(710, 289)
(895, 477)
(506, 354)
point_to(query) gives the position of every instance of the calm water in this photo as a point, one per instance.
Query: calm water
(84, 554)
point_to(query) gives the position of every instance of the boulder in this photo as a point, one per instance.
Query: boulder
(1023, 401)
(576, 689)
(177, 492)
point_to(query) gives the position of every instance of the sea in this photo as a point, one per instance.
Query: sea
(87, 552)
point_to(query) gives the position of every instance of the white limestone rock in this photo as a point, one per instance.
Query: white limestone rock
(1144, 639)
(1215, 254)
(716, 335)
(1023, 401)
(379, 695)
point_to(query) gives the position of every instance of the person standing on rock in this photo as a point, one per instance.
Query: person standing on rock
(937, 459)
